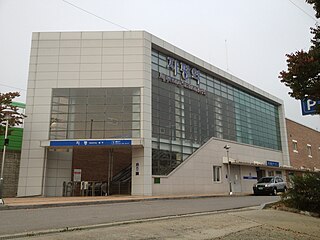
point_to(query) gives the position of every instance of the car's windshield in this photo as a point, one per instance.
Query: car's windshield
(266, 180)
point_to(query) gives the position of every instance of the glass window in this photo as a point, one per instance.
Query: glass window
(95, 113)
(216, 174)
(271, 173)
(309, 150)
(60, 92)
(188, 118)
(75, 92)
(295, 146)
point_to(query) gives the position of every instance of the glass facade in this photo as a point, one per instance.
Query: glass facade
(95, 113)
(182, 119)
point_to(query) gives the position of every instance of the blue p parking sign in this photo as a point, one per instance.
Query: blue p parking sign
(309, 106)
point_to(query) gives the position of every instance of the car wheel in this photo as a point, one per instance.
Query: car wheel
(285, 190)
(274, 192)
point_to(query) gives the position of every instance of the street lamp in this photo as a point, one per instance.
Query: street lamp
(7, 114)
(227, 147)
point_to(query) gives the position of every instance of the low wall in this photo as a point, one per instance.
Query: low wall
(11, 173)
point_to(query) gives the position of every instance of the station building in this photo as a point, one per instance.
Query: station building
(131, 113)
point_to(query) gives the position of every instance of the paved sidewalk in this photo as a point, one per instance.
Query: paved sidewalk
(41, 202)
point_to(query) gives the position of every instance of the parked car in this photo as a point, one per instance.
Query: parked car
(269, 185)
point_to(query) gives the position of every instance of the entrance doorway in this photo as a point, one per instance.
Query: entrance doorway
(235, 179)
(260, 173)
(104, 170)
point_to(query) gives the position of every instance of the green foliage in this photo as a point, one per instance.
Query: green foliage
(6, 103)
(305, 193)
(303, 73)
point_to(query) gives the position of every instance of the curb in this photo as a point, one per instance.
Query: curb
(112, 224)
(288, 209)
(85, 203)
(267, 205)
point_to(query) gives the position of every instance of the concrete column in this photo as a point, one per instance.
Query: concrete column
(142, 183)
(284, 138)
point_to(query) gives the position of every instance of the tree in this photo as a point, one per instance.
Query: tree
(303, 73)
(6, 103)
(305, 193)
(316, 6)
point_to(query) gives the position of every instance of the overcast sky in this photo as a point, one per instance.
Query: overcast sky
(247, 38)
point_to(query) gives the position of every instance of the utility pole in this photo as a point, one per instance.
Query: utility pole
(227, 147)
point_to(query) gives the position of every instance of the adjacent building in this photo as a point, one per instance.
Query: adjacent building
(126, 112)
(304, 146)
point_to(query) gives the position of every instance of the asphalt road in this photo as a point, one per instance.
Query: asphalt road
(28, 220)
(248, 224)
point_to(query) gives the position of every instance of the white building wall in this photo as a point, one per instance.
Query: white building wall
(58, 170)
(83, 60)
(195, 175)
(35, 128)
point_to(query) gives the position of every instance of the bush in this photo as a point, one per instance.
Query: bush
(305, 193)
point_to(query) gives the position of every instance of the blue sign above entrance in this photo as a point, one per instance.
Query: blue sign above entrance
(273, 164)
(72, 143)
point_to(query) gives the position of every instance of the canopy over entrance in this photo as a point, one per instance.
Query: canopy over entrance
(92, 142)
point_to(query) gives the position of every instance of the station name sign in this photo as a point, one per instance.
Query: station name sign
(187, 74)
(91, 143)
(309, 106)
(186, 71)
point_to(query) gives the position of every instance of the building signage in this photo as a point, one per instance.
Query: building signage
(185, 70)
(187, 74)
(273, 164)
(309, 106)
(73, 143)
(181, 83)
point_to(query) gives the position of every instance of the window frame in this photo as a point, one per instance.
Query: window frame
(295, 146)
(309, 150)
(216, 174)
